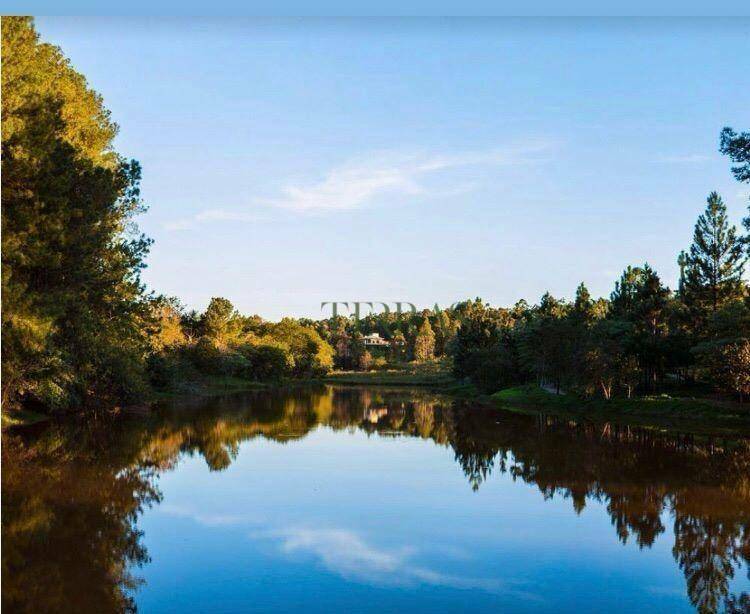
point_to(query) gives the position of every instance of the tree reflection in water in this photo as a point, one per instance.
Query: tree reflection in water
(72, 493)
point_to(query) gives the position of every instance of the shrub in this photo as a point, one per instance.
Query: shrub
(268, 360)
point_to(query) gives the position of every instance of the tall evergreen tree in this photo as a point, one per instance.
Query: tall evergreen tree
(74, 317)
(737, 147)
(623, 297)
(639, 302)
(715, 261)
(424, 343)
(583, 306)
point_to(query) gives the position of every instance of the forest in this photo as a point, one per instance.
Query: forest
(81, 332)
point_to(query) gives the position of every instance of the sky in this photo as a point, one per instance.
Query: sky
(290, 162)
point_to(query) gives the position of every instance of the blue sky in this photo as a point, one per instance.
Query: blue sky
(289, 162)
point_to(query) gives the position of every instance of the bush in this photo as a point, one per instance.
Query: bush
(268, 360)
(211, 359)
(491, 369)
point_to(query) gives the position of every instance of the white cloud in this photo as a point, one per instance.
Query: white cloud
(356, 184)
(347, 554)
(360, 182)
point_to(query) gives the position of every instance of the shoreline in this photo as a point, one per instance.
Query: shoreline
(692, 414)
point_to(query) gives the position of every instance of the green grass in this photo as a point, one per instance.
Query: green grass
(434, 373)
(667, 409)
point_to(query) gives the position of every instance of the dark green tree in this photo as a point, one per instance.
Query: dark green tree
(715, 261)
(737, 147)
(75, 317)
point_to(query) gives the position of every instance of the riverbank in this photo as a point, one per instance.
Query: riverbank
(702, 414)
(666, 411)
(663, 409)
(434, 374)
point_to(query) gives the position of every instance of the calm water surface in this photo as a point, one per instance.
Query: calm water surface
(363, 499)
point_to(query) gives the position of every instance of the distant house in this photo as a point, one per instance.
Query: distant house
(375, 340)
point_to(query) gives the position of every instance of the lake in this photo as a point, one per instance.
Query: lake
(364, 499)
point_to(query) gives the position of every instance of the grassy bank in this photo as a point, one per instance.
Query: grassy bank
(435, 373)
(665, 409)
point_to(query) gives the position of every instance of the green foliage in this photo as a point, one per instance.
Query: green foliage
(479, 329)
(424, 343)
(493, 367)
(737, 147)
(642, 339)
(79, 331)
(168, 331)
(269, 360)
(715, 262)
(221, 322)
(312, 356)
(231, 346)
(607, 362)
(75, 320)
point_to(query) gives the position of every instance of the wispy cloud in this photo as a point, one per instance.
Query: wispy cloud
(347, 554)
(358, 183)
(361, 182)
(683, 158)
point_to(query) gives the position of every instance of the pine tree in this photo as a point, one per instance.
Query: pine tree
(424, 344)
(583, 307)
(622, 298)
(639, 302)
(737, 147)
(715, 261)
(74, 310)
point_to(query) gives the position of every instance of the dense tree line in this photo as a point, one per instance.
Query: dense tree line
(80, 331)
(645, 337)
(419, 336)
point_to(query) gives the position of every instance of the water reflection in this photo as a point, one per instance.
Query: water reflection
(73, 493)
(70, 501)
